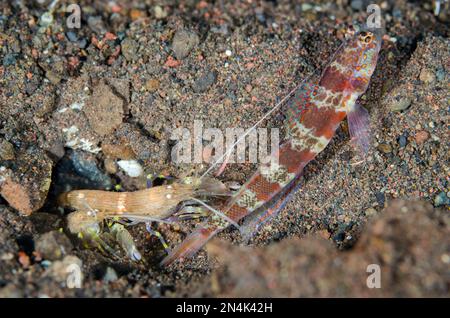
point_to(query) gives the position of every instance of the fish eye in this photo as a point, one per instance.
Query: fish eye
(366, 37)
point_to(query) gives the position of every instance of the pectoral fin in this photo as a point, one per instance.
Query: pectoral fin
(359, 128)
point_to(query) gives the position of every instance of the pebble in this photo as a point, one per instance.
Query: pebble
(400, 104)
(53, 245)
(104, 110)
(357, 5)
(66, 268)
(6, 150)
(427, 76)
(402, 141)
(82, 43)
(72, 36)
(136, 14)
(159, 12)
(131, 167)
(385, 148)
(46, 19)
(53, 77)
(110, 276)
(183, 42)
(25, 185)
(440, 74)
(118, 151)
(204, 82)
(7, 257)
(110, 166)
(339, 237)
(84, 165)
(370, 212)
(422, 136)
(129, 49)
(441, 199)
(306, 7)
(381, 198)
(152, 85)
(9, 59)
(96, 24)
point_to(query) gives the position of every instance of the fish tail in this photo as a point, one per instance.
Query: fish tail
(190, 245)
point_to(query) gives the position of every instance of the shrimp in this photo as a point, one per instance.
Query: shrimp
(165, 203)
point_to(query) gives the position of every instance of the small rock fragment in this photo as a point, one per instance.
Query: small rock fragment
(110, 166)
(427, 76)
(204, 82)
(129, 49)
(131, 167)
(385, 148)
(104, 110)
(400, 104)
(370, 212)
(136, 14)
(183, 43)
(110, 276)
(122, 151)
(152, 85)
(441, 199)
(402, 141)
(26, 184)
(24, 259)
(6, 150)
(422, 136)
(53, 77)
(67, 271)
(160, 13)
(84, 164)
(53, 245)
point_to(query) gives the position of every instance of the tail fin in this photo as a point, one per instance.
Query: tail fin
(255, 221)
(190, 245)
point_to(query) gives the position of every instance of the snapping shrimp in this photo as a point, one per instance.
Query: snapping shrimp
(165, 203)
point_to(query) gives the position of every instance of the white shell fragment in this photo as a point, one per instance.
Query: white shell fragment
(131, 167)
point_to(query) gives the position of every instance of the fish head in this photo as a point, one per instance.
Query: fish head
(364, 46)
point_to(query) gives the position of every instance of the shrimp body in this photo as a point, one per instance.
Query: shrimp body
(154, 204)
(157, 202)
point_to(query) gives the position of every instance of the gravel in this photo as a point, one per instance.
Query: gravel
(73, 105)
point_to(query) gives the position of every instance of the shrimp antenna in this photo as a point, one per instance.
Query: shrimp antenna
(223, 216)
(277, 105)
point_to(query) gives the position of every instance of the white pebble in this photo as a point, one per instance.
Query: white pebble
(131, 167)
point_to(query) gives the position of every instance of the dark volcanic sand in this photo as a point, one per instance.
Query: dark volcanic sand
(74, 102)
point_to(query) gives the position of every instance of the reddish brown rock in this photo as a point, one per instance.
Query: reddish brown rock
(104, 110)
(26, 184)
(422, 136)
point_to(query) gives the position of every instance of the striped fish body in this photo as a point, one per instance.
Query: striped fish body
(313, 115)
